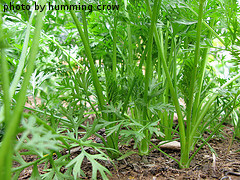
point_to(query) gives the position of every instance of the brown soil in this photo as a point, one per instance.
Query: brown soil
(226, 165)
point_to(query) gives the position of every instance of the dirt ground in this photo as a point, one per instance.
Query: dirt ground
(205, 165)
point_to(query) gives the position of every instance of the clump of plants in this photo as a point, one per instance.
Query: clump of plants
(66, 76)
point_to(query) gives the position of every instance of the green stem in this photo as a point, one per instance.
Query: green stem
(200, 79)
(148, 75)
(29, 164)
(210, 29)
(193, 79)
(166, 91)
(84, 20)
(13, 126)
(171, 88)
(22, 57)
(5, 75)
(174, 95)
(114, 62)
(211, 135)
(208, 104)
(93, 70)
(130, 49)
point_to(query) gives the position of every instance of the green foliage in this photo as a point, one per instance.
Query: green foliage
(77, 162)
(122, 71)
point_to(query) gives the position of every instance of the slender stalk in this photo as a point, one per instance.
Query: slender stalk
(84, 20)
(166, 122)
(20, 168)
(208, 104)
(200, 79)
(113, 138)
(111, 34)
(161, 77)
(175, 101)
(130, 49)
(211, 135)
(93, 70)
(5, 74)
(22, 57)
(148, 74)
(175, 64)
(177, 106)
(13, 126)
(166, 43)
(210, 29)
(7, 159)
(193, 79)
(172, 90)
(114, 62)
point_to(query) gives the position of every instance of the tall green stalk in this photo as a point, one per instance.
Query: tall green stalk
(203, 110)
(193, 80)
(93, 70)
(7, 158)
(21, 63)
(166, 92)
(148, 75)
(4, 73)
(22, 57)
(201, 77)
(168, 118)
(84, 20)
(159, 43)
(130, 49)
(114, 62)
(12, 126)
(112, 139)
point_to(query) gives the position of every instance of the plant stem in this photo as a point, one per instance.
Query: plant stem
(114, 62)
(14, 124)
(148, 74)
(200, 79)
(171, 88)
(210, 29)
(210, 136)
(5, 75)
(130, 49)
(84, 20)
(7, 159)
(208, 104)
(93, 70)
(22, 57)
(192, 83)
(30, 163)
(166, 122)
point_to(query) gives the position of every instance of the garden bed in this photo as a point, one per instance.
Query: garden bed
(158, 166)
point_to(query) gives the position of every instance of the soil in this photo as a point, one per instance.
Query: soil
(206, 165)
